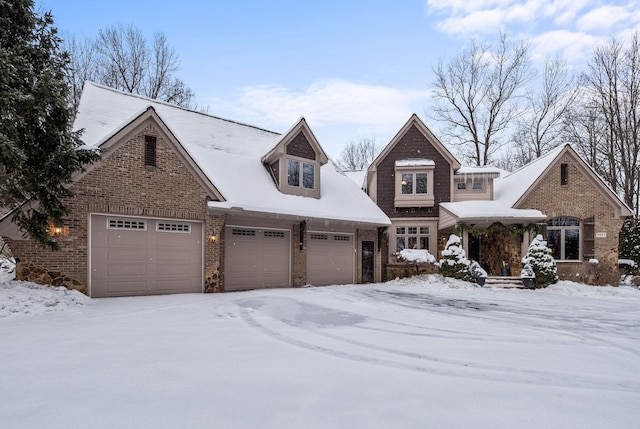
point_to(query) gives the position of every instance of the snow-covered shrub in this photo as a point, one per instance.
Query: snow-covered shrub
(539, 258)
(477, 271)
(527, 272)
(417, 255)
(628, 266)
(454, 262)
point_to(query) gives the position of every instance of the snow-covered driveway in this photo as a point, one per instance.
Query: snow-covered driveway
(416, 353)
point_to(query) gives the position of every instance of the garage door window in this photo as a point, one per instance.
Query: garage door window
(342, 238)
(173, 227)
(274, 234)
(243, 232)
(140, 225)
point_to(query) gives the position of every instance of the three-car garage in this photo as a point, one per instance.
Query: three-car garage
(145, 256)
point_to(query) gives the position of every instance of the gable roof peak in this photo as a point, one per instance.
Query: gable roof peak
(281, 142)
(414, 120)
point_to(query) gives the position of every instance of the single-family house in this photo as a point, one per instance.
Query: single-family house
(183, 201)
(428, 194)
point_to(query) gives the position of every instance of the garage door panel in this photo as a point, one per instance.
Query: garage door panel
(126, 286)
(126, 256)
(129, 256)
(168, 285)
(256, 258)
(330, 258)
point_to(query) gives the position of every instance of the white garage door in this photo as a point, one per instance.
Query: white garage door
(256, 258)
(330, 258)
(138, 256)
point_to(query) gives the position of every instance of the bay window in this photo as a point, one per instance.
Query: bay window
(414, 183)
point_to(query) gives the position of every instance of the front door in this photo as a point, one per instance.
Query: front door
(368, 262)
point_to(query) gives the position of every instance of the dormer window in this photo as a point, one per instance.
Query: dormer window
(414, 183)
(295, 162)
(297, 170)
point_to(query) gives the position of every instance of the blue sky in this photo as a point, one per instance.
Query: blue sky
(351, 68)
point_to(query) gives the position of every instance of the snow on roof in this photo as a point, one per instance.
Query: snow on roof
(229, 153)
(507, 190)
(358, 177)
(415, 163)
(494, 171)
(491, 211)
(510, 188)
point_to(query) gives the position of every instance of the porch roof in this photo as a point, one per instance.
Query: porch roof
(485, 213)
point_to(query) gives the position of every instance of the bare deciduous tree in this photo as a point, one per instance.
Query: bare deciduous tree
(611, 135)
(83, 66)
(123, 59)
(541, 128)
(358, 154)
(477, 94)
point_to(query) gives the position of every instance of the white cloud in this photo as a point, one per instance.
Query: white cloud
(484, 21)
(602, 18)
(332, 101)
(565, 12)
(337, 110)
(573, 46)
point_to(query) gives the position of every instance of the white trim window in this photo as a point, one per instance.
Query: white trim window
(563, 238)
(412, 237)
(414, 183)
(301, 174)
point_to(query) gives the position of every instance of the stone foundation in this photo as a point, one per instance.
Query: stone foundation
(27, 271)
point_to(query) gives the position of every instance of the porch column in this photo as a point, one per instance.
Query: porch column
(465, 241)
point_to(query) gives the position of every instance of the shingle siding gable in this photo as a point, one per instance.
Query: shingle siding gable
(412, 145)
(301, 147)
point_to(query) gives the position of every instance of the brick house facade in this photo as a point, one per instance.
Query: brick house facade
(162, 212)
(558, 195)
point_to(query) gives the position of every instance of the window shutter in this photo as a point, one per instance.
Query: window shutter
(588, 241)
(564, 174)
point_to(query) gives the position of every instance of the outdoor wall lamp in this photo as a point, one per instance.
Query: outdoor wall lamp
(58, 231)
(212, 235)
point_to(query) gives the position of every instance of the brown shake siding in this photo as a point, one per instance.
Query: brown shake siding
(413, 145)
(301, 147)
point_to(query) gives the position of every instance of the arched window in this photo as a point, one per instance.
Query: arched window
(563, 237)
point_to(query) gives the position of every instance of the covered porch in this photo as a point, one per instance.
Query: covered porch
(494, 236)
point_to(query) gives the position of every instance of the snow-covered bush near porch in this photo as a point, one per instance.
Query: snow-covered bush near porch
(454, 262)
(477, 271)
(417, 255)
(539, 258)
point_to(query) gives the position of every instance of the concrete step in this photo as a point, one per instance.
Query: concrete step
(504, 281)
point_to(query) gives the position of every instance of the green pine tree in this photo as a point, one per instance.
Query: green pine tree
(629, 244)
(539, 258)
(38, 151)
(454, 262)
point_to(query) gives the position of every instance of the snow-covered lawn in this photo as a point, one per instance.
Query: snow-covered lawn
(415, 353)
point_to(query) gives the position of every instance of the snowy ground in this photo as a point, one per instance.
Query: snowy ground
(416, 353)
